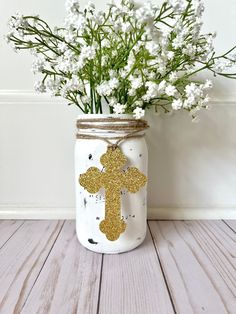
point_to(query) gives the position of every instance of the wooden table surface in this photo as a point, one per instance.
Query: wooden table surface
(182, 267)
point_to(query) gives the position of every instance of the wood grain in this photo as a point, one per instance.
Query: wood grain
(7, 229)
(21, 260)
(44, 269)
(231, 224)
(69, 281)
(198, 259)
(132, 283)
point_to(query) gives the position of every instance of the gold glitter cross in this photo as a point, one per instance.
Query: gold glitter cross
(113, 180)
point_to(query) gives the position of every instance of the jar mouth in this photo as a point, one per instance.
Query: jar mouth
(105, 116)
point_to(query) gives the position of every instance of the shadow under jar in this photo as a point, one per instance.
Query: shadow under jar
(95, 132)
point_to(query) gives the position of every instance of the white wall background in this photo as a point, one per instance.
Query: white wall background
(192, 166)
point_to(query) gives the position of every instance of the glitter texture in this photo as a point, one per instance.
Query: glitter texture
(113, 179)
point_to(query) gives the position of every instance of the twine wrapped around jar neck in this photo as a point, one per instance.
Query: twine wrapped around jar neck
(129, 126)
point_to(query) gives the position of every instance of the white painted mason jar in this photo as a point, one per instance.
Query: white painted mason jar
(90, 208)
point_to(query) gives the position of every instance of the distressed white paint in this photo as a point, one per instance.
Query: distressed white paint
(90, 208)
(191, 167)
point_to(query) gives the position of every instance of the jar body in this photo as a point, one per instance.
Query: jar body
(90, 208)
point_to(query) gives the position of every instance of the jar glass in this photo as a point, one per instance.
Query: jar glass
(90, 208)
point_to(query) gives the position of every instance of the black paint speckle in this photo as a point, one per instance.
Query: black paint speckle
(85, 202)
(98, 218)
(90, 157)
(133, 216)
(92, 241)
(131, 149)
(140, 155)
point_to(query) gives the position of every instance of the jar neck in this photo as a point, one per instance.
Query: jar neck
(110, 127)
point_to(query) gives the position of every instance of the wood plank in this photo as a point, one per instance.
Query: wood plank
(133, 283)
(231, 224)
(198, 259)
(21, 260)
(69, 281)
(7, 229)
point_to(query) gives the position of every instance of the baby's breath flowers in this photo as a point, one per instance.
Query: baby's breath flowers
(129, 58)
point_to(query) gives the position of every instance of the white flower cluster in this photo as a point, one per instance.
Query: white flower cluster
(73, 85)
(178, 5)
(130, 57)
(138, 113)
(106, 88)
(119, 108)
(72, 6)
(193, 97)
(222, 65)
(146, 13)
(38, 65)
(152, 91)
(39, 87)
(53, 86)
(17, 21)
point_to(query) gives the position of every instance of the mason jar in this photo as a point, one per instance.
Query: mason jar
(90, 145)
